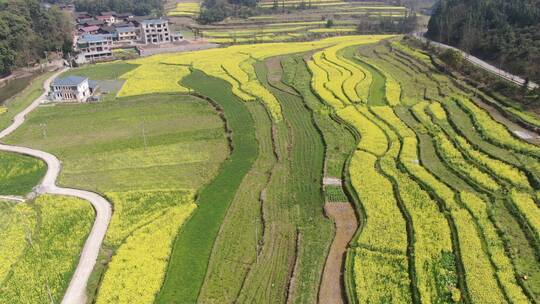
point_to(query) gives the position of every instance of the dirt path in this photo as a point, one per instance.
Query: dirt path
(76, 292)
(331, 290)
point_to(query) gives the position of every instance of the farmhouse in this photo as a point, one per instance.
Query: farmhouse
(71, 88)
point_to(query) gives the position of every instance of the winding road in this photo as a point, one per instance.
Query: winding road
(76, 292)
(479, 62)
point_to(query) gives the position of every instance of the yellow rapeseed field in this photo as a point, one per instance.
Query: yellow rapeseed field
(166, 71)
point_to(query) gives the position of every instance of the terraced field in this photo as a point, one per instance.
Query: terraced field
(219, 164)
(287, 20)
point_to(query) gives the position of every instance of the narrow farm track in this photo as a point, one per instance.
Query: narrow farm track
(76, 291)
(331, 291)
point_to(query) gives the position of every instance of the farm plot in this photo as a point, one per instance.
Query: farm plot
(185, 9)
(19, 174)
(21, 100)
(148, 154)
(192, 248)
(292, 211)
(480, 252)
(40, 246)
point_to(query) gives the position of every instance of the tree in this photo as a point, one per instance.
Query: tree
(27, 31)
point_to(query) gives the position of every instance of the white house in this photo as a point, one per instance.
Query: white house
(71, 88)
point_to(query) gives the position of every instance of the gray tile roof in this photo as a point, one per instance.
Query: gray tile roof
(69, 81)
(154, 21)
(94, 38)
(126, 29)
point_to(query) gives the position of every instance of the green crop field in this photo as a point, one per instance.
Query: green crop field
(19, 174)
(221, 166)
(21, 100)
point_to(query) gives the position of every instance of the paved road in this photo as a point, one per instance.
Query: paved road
(479, 62)
(76, 292)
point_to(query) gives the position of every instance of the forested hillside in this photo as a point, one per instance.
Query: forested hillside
(506, 33)
(137, 7)
(28, 30)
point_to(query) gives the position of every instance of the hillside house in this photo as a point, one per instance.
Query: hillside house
(71, 88)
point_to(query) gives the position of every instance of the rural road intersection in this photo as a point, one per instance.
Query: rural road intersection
(76, 292)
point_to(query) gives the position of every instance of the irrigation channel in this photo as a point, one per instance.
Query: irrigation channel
(76, 291)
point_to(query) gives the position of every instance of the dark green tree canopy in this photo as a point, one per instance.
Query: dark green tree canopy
(28, 30)
(504, 32)
(137, 7)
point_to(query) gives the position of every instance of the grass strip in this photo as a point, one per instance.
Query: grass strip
(193, 246)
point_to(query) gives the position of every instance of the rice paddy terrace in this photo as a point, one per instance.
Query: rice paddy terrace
(238, 174)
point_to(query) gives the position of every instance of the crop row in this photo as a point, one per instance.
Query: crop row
(431, 230)
(164, 73)
(422, 57)
(336, 77)
(351, 86)
(382, 214)
(392, 86)
(504, 271)
(318, 81)
(480, 277)
(528, 208)
(373, 138)
(252, 32)
(495, 247)
(493, 130)
(497, 167)
(451, 154)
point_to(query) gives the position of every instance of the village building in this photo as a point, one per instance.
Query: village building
(92, 29)
(109, 19)
(128, 34)
(71, 88)
(155, 31)
(97, 37)
(126, 17)
(95, 47)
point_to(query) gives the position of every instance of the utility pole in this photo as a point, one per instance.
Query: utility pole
(256, 222)
(49, 291)
(144, 134)
(43, 127)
